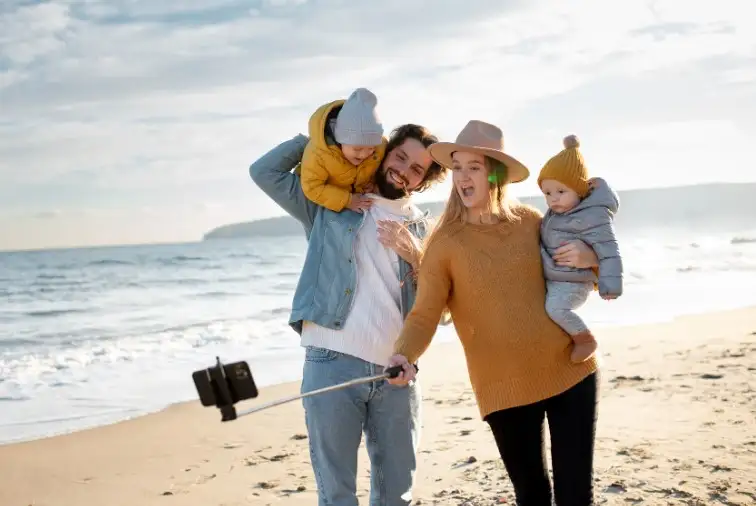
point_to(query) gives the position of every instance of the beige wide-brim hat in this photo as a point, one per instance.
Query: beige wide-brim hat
(485, 139)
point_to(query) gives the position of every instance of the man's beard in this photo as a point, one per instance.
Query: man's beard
(386, 188)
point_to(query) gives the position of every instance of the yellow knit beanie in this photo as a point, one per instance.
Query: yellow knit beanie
(567, 167)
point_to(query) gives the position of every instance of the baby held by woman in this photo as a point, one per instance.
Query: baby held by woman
(584, 209)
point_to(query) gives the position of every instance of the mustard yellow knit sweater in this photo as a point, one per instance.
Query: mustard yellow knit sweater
(490, 277)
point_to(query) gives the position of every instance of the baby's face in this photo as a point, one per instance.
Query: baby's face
(357, 154)
(559, 198)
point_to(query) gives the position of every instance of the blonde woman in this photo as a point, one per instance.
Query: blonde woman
(483, 262)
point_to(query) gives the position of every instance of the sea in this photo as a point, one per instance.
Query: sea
(92, 336)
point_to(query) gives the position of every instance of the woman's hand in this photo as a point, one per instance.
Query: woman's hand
(575, 254)
(396, 236)
(407, 374)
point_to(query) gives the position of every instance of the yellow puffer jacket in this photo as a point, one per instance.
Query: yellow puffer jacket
(329, 179)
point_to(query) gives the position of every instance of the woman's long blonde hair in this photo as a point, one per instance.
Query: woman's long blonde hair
(500, 204)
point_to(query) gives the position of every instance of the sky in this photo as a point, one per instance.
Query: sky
(132, 121)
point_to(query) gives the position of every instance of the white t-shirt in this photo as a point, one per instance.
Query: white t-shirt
(375, 319)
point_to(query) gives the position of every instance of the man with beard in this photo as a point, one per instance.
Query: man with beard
(356, 287)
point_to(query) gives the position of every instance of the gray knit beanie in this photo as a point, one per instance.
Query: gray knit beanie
(357, 123)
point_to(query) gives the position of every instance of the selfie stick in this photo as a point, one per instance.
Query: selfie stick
(223, 385)
(390, 372)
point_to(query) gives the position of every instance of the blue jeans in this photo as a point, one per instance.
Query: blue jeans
(389, 416)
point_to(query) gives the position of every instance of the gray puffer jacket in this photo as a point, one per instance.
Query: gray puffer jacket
(591, 221)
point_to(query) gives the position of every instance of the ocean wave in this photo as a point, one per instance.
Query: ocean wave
(115, 263)
(47, 276)
(47, 313)
(284, 287)
(688, 268)
(187, 281)
(58, 365)
(236, 279)
(632, 277)
(56, 283)
(243, 255)
(216, 294)
(653, 259)
(16, 342)
(14, 398)
(57, 266)
(277, 311)
(178, 259)
(213, 267)
(743, 240)
(702, 242)
(716, 268)
(17, 291)
(106, 262)
(268, 261)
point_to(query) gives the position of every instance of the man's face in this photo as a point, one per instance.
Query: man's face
(403, 169)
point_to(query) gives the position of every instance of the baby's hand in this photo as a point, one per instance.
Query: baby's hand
(359, 203)
(608, 296)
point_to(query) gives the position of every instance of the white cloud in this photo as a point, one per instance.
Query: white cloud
(164, 100)
(676, 152)
(32, 31)
(740, 75)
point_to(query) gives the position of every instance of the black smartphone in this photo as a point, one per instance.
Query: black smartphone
(225, 384)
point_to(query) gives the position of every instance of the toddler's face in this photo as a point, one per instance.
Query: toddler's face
(559, 198)
(357, 154)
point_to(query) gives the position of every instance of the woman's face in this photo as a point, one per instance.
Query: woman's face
(470, 179)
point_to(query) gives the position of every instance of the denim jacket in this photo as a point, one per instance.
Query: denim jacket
(327, 282)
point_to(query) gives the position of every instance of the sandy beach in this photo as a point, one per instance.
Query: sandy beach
(677, 425)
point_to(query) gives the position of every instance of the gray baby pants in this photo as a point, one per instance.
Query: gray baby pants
(561, 301)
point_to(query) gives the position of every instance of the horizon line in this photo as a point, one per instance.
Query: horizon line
(284, 215)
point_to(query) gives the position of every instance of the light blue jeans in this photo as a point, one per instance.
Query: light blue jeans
(388, 415)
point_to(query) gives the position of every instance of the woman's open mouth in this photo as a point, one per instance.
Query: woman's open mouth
(466, 190)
